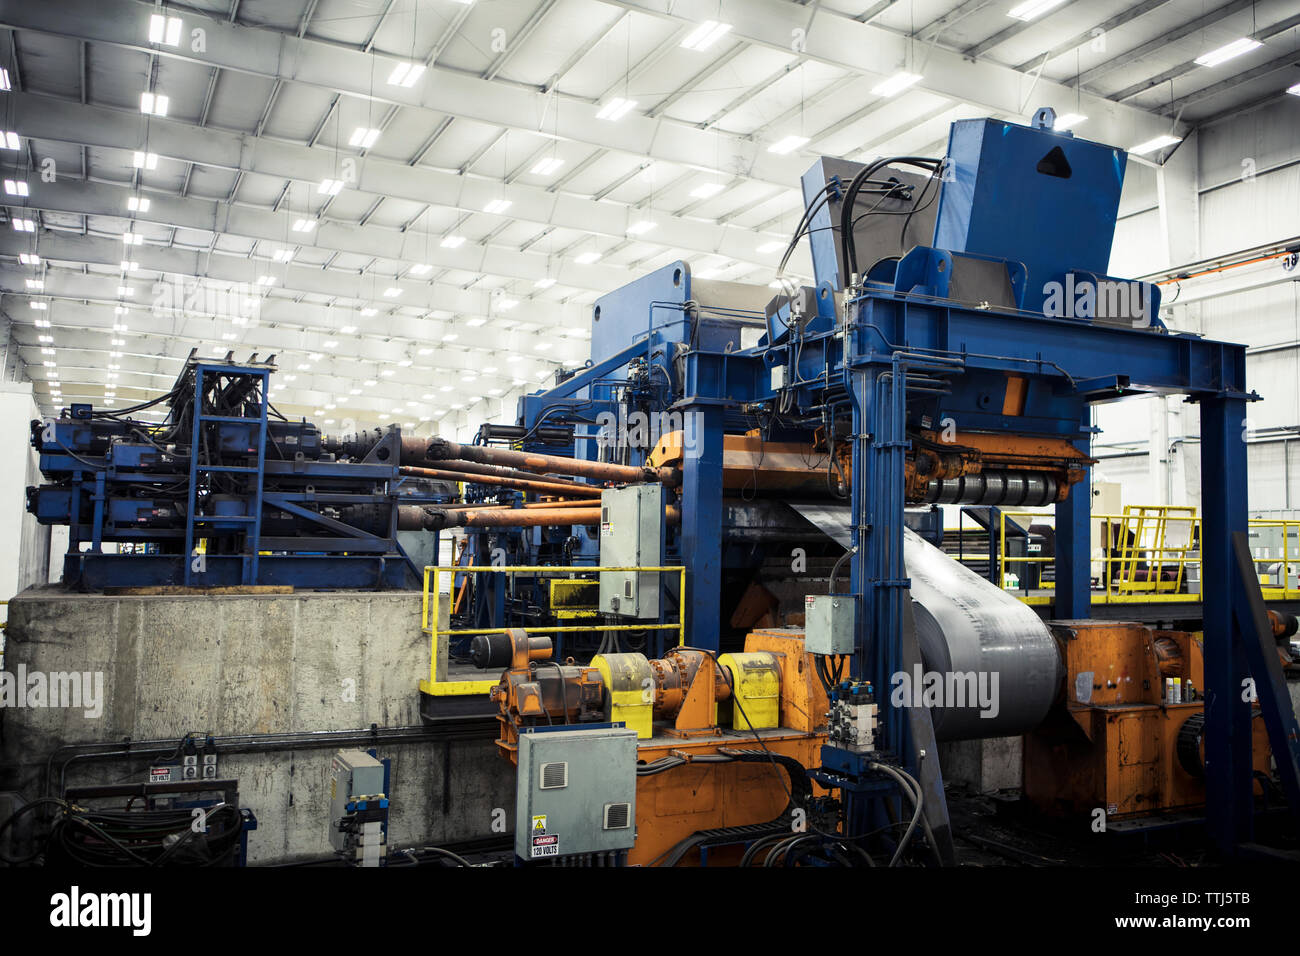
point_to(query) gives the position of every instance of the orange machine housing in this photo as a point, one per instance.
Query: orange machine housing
(672, 805)
(1114, 744)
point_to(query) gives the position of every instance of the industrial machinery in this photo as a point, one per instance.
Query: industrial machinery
(721, 745)
(225, 491)
(960, 329)
(1129, 738)
(359, 788)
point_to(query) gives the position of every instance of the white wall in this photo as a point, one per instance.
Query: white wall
(1246, 176)
(24, 557)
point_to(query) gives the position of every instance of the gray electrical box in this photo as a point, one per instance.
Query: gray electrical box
(576, 792)
(631, 523)
(828, 623)
(353, 774)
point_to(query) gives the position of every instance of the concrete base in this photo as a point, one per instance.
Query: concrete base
(984, 766)
(257, 664)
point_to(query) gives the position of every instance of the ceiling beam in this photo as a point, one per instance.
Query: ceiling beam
(344, 69)
(66, 121)
(838, 40)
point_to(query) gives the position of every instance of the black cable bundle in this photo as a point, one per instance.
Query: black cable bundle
(109, 838)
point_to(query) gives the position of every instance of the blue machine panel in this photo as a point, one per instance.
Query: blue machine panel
(1045, 199)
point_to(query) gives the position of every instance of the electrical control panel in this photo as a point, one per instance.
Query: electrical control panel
(576, 792)
(828, 623)
(631, 534)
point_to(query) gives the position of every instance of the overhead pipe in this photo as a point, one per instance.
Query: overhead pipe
(433, 518)
(522, 484)
(500, 471)
(439, 449)
(528, 505)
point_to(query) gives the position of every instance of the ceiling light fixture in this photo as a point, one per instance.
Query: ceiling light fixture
(615, 109)
(1230, 52)
(895, 84)
(705, 35)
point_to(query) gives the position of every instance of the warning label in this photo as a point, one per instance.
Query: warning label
(539, 824)
(546, 845)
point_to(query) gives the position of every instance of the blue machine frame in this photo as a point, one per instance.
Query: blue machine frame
(904, 341)
(303, 517)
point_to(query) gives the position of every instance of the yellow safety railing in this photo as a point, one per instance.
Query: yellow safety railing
(1151, 554)
(432, 602)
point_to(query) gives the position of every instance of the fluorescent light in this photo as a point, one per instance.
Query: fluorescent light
(330, 344)
(895, 84)
(304, 225)
(543, 167)
(16, 187)
(705, 35)
(348, 330)
(368, 312)
(707, 190)
(1225, 53)
(282, 255)
(544, 283)
(129, 266)
(266, 280)
(36, 284)
(165, 30)
(29, 258)
(497, 206)
(330, 187)
(1069, 121)
(5, 85)
(8, 140)
(131, 239)
(586, 258)
(153, 104)
(1151, 145)
(505, 305)
(478, 320)
(137, 204)
(24, 225)
(787, 145)
(642, 227)
(392, 292)
(363, 137)
(1033, 8)
(1294, 90)
(452, 242)
(767, 247)
(543, 346)
(125, 291)
(615, 109)
(405, 74)
(144, 160)
(40, 306)
(451, 337)
(421, 269)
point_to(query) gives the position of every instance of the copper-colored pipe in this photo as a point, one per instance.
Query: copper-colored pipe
(472, 468)
(530, 505)
(523, 484)
(439, 449)
(432, 518)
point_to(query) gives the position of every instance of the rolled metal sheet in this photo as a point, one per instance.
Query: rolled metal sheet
(976, 640)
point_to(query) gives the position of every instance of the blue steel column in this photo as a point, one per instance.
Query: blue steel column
(702, 526)
(1073, 600)
(1229, 783)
